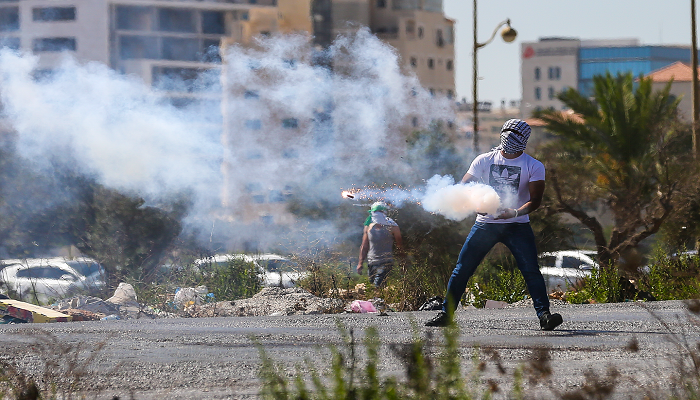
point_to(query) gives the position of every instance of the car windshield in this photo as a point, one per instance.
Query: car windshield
(572, 262)
(43, 273)
(85, 268)
(279, 265)
(548, 261)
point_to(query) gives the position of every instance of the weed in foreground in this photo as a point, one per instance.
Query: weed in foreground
(62, 368)
(426, 376)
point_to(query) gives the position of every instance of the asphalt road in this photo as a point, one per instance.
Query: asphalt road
(212, 358)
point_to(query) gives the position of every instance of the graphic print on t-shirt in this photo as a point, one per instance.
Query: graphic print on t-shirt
(505, 179)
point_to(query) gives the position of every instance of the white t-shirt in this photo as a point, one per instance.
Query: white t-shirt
(510, 178)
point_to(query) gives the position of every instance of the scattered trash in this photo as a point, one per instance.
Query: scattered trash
(30, 312)
(11, 320)
(189, 296)
(124, 295)
(110, 318)
(86, 303)
(433, 304)
(362, 306)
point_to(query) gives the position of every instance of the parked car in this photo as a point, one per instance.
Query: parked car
(42, 279)
(276, 270)
(564, 269)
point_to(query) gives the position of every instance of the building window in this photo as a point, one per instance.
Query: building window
(48, 14)
(414, 122)
(420, 32)
(213, 22)
(276, 196)
(253, 124)
(175, 79)
(550, 93)
(537, 73)
(538, 93)
(290, 153)
(432, 92)
(211, 51)
(449, 65)
(431, 63)
(54, 44)
(414, 62)
(290, 123)
(439, 38)
(381, 3)
(181, 49)
(176, 20)
(557, 73)
(410, 28)
(266, 219)
(138, 47)
(10, 42)
(450, 94)
(251, 94)
(9, 19)
(134, 18)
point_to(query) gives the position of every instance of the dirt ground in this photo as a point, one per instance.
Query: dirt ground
(216, 357)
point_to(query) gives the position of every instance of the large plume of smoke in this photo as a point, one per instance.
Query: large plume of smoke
(122, 133)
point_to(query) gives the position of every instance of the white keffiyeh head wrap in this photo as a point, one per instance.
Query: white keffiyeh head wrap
(514, 136)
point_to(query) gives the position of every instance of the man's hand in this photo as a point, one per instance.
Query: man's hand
(507, 213)
(359, 268)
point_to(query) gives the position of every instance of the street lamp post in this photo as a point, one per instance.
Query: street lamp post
(508, 34)
(694, 90)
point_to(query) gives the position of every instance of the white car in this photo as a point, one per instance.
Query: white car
(42, 279)
(275, 269)
(564, 269)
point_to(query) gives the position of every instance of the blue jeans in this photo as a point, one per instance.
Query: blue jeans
(520, 239)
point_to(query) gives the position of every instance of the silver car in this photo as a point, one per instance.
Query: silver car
(276, 270)
(42, 279)
(564, 269)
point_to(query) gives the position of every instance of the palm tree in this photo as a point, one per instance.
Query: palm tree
(623, 152)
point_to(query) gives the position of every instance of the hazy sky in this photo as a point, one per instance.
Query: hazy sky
(653, 22)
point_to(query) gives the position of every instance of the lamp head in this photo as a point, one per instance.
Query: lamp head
(508, 34)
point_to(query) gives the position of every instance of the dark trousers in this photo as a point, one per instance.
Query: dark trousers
(520, 239)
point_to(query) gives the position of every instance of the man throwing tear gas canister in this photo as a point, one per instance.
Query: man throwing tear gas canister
(519, 180)
(380, 234)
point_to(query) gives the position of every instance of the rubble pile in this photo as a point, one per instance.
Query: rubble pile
(122, 305)
(269, 301)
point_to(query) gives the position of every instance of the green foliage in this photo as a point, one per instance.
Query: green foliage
(507, 285)
(426, 377)
(603, 286)
(672, 278)
(235, 280)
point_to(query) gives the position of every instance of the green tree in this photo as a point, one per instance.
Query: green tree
(622, 153)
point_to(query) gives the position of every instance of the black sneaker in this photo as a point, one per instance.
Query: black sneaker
(550, 321)
(441, 319)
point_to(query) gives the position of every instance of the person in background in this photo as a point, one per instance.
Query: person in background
(377, 248)
(519, 181)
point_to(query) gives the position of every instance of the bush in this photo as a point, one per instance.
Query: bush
(507, 285)
(426, 376)
(672, 278)
(603, 286)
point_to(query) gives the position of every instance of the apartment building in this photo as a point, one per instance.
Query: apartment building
(155, 40)
(552, 65)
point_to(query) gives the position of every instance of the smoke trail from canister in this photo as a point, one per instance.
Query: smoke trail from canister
(440, 195)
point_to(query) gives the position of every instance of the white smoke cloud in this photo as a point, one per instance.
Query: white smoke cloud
(125, 135)
(457, 202)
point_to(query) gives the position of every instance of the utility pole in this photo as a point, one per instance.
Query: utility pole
(694, 89)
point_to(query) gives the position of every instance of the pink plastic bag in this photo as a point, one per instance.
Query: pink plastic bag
(362, 306)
